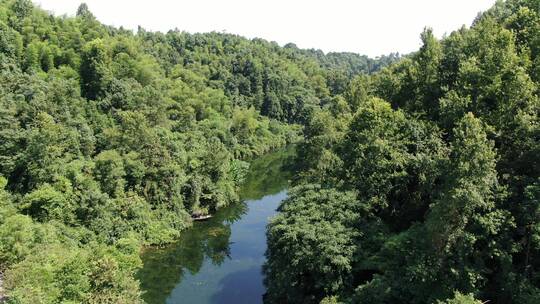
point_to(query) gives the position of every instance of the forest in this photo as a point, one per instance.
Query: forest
(417, 177)
(421, 183)
(111, 139)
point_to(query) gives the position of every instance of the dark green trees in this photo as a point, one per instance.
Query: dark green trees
(110, 140)
(312, 247)
(442, 156)
(83, 11)
(94, 69)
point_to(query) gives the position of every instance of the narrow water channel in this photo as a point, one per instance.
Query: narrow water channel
(220, 260)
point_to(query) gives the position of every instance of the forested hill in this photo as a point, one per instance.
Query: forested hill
(341, 67)
(423, 184)
(111, 139)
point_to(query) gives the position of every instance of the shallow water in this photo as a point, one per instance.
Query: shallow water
(220, 260)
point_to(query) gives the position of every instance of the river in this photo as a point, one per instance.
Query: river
(220, 260)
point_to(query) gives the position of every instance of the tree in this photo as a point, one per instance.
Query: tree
(471, 182)
(49, 146)
(429, 57)
(94, 70)
(10, 42)
(11, 136)
(84, 12)
(46, 203)
(110, 172)
(391, 161)
(19, 237)
(445, 173)
(465, 225)
(311, 245)
(358, 91)
(22, 8)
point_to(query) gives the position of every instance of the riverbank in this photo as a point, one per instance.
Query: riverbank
(220, 260)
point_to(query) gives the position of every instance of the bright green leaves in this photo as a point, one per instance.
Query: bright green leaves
(461, 299)
(472, 153)
(316, 155)
(18, 238)
(46, 203)
(244, 123)
(6, 204)
(11, 136)
(414, 84)
(59, 273)
(22, 8)
(428, 59)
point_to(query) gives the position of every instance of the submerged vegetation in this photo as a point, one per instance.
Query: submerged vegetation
(420, 184)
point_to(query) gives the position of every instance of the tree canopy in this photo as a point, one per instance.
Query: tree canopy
(432, 163)
(111, 139)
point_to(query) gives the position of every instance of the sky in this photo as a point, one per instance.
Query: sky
(370, 27)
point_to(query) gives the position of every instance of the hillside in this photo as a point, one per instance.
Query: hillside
(110, 140)
(417, 177)
(423, 184)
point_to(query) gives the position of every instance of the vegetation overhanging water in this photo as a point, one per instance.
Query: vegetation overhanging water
(219, 260)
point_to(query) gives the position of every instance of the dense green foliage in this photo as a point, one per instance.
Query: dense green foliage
(420, 183)
(110, 140)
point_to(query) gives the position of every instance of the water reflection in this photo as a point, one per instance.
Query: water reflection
(219, 260)
(268, 174)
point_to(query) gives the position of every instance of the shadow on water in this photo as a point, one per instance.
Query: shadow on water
(204, 260)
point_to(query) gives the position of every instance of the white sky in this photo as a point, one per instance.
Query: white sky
(371, 27)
